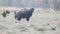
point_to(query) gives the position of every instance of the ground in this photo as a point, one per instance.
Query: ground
(43, 21)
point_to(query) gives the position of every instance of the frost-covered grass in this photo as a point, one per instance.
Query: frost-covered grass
(43, 21)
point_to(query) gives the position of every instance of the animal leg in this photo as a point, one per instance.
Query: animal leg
(27, 19)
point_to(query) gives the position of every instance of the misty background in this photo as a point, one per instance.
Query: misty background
(54, 4)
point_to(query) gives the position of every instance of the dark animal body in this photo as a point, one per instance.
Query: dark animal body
(24, 14)
(5, 13)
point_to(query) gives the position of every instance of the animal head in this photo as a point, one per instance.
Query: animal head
(31, 10)
(7, 12)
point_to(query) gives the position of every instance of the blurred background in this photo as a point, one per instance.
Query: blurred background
(47, 4)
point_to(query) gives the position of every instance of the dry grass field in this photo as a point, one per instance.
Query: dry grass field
(43, 21)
